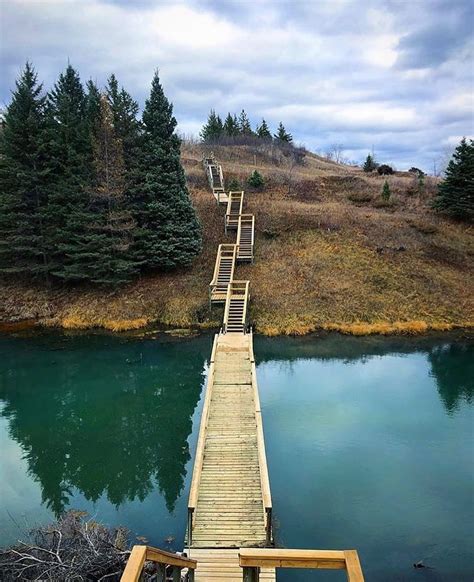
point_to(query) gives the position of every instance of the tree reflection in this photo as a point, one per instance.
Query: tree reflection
(105, 423)
(453, 368)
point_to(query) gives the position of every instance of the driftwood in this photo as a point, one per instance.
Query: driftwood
(74, 548)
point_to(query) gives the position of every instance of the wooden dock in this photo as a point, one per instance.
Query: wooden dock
(230, 500)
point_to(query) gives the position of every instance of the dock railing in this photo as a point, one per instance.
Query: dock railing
(262, 457)
(166, 564)
(252, 559)
(197, 471)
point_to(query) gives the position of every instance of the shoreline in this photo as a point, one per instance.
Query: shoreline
(143, 327)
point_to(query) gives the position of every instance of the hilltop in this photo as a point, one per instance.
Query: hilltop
(330, 254)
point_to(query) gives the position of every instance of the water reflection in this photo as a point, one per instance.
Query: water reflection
(109, 419)
(451, 362)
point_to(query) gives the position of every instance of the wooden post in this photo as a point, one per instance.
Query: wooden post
(176, 574)
(190, 526)
(251, 574)
(268, 526)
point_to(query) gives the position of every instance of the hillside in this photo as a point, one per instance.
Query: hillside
(330, 253)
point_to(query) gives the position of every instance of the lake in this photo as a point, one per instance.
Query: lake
(369, 442)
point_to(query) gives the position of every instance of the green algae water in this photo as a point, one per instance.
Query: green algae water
(369, 442)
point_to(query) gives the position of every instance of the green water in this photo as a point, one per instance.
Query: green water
(369, 442)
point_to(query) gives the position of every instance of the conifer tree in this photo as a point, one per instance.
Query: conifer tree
(456, 194)
(244, 124)
(127, 126)
(23, 196)
(92, 107)
(69, 167)
(231, 127)
(169, 232)
(113, 225)
(369, 164)
(213, 128)
(263, 130)
(386, 193)
(282, 135)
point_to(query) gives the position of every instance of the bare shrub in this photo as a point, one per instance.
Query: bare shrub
(73, 548)
(360, 197)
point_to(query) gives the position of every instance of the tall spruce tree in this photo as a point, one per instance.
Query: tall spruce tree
(244, 124)
(456, 193)
(231, 126)
(92, 107)
(263, 130)
(169, 232)
(112, 228)
(282, 135)
(127, 126)
(213, 128)
(69, 167)
(23, 195)
(370, 165)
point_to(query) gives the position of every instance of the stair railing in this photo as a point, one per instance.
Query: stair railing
(253, 559)
(165, 563)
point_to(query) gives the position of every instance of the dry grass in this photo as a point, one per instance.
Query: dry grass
(328, 256)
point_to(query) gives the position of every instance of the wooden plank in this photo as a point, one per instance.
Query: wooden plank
(276, 558)
(353, 567)
(135, 563)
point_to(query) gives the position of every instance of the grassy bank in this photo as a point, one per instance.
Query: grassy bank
(330, 254)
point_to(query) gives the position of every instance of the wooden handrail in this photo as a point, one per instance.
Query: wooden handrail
(236, 288)
(252, 559)
(140, 554)
(223, 250)
(262, 457)
(194, 490)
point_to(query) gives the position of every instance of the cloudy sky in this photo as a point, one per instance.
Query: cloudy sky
(395, 75)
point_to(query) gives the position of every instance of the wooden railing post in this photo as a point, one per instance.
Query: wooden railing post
(190, 525)
(268, 526)
(176, 574)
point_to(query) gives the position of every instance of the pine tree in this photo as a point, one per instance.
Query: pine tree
(69, 167)
(231, 127)
(23, 195)
(92, 106)
(244, 124)
(256, 180)
(112, 229)
(263, 130)
(213, 128)
(169, 232)
(282, 135)
(386, 193)
(127, 126)
(456, 194)
(369, 164)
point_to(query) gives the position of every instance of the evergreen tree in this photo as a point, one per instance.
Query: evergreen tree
(244, 124)
(456, 194)
(127, 126)
(23, 196)
(112, 229)
(231, 126)
(213, 129)
(169, 232)
(263, 130)
(282, 135)
(256, 180)
(386, 193)
(69, 167)
(92, 107)
(369, 165)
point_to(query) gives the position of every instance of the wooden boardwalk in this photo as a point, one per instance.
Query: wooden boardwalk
(230, 500)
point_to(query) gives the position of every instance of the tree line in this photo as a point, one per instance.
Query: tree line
(91, 192)
(214, 130)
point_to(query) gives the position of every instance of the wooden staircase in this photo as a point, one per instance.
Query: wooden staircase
(235, 313)
(234, 210)
(223, 273)
(245, 238)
